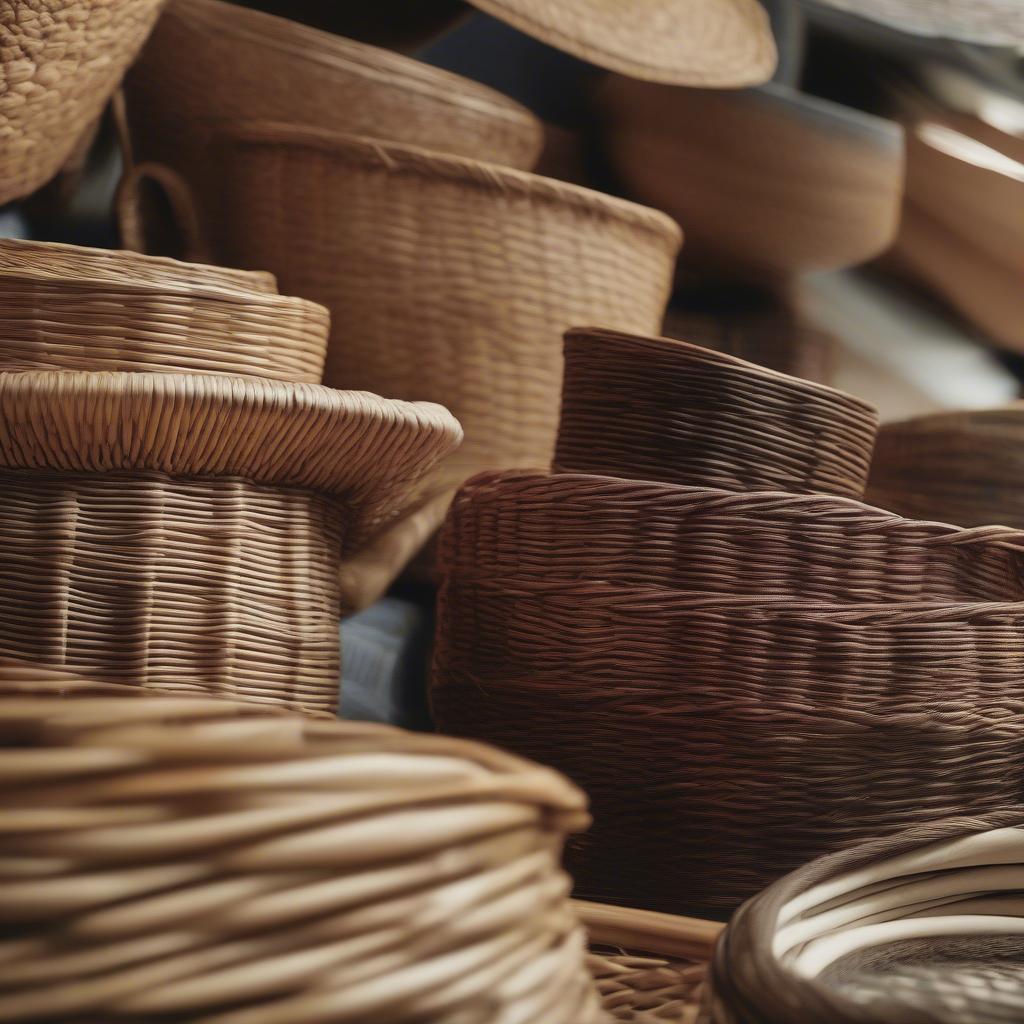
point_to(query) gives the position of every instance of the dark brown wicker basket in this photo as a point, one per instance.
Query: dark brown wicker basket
(659, 409)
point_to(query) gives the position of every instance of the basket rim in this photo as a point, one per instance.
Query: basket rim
(956, 419)
(493, 179)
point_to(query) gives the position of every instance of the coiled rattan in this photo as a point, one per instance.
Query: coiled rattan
(665, 410)
(196, 859)
(59, 62)
(924, 926)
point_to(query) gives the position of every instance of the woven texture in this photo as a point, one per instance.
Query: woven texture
(194, 859)
(924, 927)
(245, 64)
(962, 467)
(59, 62)
(92, 313)
(661, 409)
(447, 280)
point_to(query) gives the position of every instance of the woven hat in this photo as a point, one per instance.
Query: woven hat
(448, 280)
(59, 63)
(185, 531)
(924, 925)
(201, 858)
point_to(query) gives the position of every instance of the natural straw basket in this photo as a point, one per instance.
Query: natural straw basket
(923, 927)
(185, 531)
(665, 410)
(190, 858)
(100, 320)
(59, 63)
(244, 64)
(447, 279)
(960, 467)
(725, 740)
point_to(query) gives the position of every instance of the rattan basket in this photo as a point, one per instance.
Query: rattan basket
(447, 279)
(59, 63)
(244, 64)
(923, 927)
(960, 467)
(185, 531)
(665, 410)
(196, 859)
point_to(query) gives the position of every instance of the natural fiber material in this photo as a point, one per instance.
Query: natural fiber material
(59, 62)
(924, 927)
(199, 859)
(688, 42)
(447, 279)
(959, 467)
(90, 312)
(665, 410)
(244, 64)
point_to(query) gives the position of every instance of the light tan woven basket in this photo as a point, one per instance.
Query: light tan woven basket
(244, 64)
(190, 858)
(447, 280)
(59, 63)
(84, 310)
(185, 531)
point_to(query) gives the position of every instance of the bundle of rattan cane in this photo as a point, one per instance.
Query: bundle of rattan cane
(740, 679)
(193, 858)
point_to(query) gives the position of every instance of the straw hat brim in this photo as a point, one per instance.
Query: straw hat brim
(710, 43)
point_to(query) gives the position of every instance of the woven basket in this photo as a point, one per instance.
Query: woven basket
(186, 531)
(725, 740)
(958, 467)
(245, 64)
(924, 927)
(666, 410)
(447, 280)
(766, 182)
(59, 63)
(187, 859)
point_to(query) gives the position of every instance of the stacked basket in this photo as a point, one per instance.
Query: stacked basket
(177, 490)
(696, 620)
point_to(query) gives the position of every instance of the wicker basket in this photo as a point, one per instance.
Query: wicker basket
(83, 311)
(244, 64)
(188, 858)
(59, 63)
(447, 280)
(766, 182)
(185, 531)
(923, 927)
(958, 467)
(665, 410)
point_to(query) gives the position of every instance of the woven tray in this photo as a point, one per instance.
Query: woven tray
(447, 279)
(61, 60)
(723, 741)
(186, 531)
(959, 467)
(924, 926)
(318, 79)
(199, 859)
(654, 408)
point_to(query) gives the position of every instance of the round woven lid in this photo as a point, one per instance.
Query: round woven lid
(369, 450)
(684, 42)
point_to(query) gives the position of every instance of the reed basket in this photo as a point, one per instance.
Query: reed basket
(185, 531)
(189, 858)
(921, 926)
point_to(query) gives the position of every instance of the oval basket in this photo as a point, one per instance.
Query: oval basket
(725, 740)
(960, 467)
(659, 409)
(447, 279)
(924, 926)
(189, 858)
(316, 79)
(59, 65)
(186, 531)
